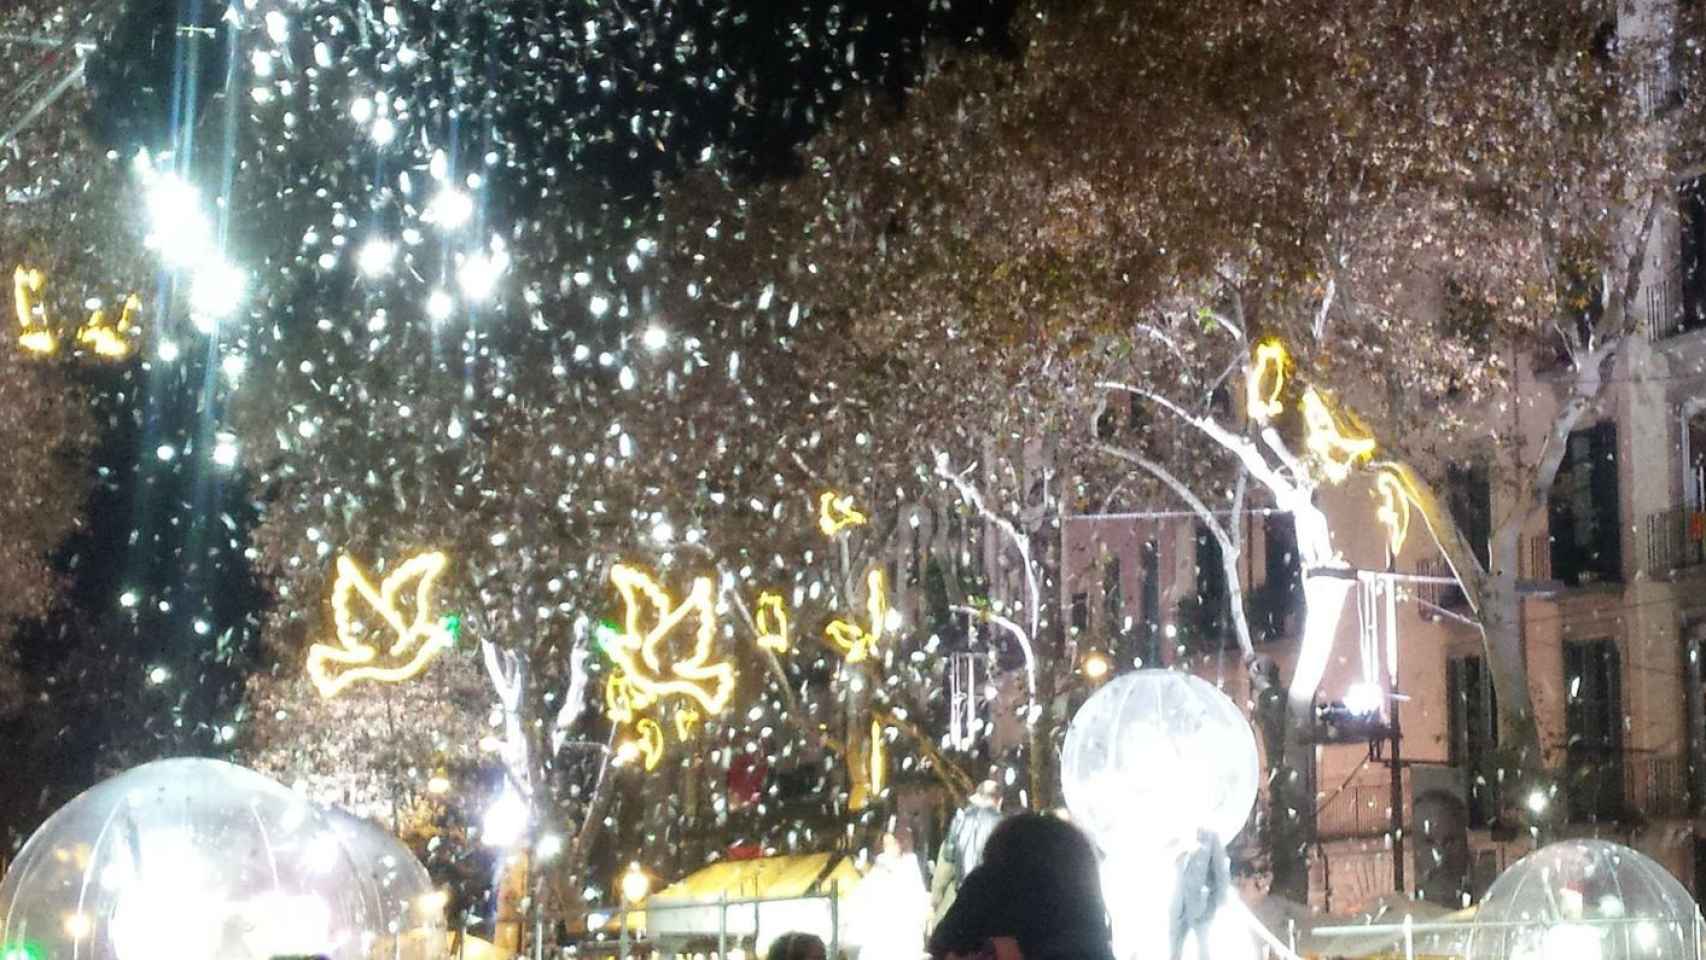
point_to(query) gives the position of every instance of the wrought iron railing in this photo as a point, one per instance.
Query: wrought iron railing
(1676, 539)
(1360, 810)
(1537, 557)
(1446, 596)
(1657, 786)
(1664, 309)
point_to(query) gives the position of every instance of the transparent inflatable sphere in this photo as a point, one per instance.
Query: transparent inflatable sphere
(1155, 756)
(401, 894)
(1586, 900)
(193, 859)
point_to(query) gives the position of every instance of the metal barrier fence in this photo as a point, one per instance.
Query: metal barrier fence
(723, 905)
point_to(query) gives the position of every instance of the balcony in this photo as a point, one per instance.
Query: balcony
(1658, 786)
(1629, 787)
(1444, 596)
(1358, 812)
(1676, 540)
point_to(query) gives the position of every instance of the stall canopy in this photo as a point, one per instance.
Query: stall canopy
(794, 891)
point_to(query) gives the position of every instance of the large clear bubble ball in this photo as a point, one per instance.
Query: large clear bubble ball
(1155, 756)
(1586, 900)
(194, 859)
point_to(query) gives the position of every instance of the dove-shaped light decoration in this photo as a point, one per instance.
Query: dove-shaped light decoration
(1336, 451)
(639, 652)
(857, 642)
(1393, 510)
(835, 513)
(1266, 379)
(418, 639)
(772, 622)
(36, 336)
(107, 339)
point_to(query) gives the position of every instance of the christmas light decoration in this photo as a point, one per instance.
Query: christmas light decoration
(35, 335)
(1334, 450)
(105, 339)
(639, 651)
(879, 760)
(621, 700)
(858, 642)
(772, 622)
(1269, 366)
(1394, 509)
(686, 719)
(835, 513)
(418, 639)
(649, 745)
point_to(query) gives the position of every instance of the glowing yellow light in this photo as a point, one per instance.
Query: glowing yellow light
(621, 700)
(649, 744)
(1096, 666)
(857, 642)
(879, 760)
(35, 336)
(627, 752)
(438, 786)
(107, 340)
(772, 622)
(635, 884)
(1394, 509)
(639, 653)
(835, 514)
(686, 719)
(433, 903)
(417, 641)
(78, 925)
(1262, 385)
(1336, 452)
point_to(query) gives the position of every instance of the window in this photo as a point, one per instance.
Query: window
(1691, 210)
(1583, 511)
(1593, 727)
(1473, 728)
(1469, 497)
(1213, 598)
(1150, 641)
(1272, 606)
(1113, 598)
(1694, 461)
(1080, 612)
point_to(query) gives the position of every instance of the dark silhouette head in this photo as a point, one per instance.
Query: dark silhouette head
(796, 946)
(1040, 883)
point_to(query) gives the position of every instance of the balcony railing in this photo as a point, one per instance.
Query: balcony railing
(1443, 595)
(1657, 785)
(1664, 309)
(1359, 811)
(1676, 540)
(1536, 559)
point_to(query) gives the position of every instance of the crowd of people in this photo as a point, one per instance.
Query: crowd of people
(1020, 887)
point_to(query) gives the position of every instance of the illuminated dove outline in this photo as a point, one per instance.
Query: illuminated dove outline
(636, 651)
(424, 637)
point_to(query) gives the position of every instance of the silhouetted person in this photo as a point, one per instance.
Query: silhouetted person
(1037, 895)
(796, 946)
(962, 850)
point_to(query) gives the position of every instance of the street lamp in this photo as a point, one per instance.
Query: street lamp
(1096, 666)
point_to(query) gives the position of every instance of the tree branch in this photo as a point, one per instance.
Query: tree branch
(1228, 546)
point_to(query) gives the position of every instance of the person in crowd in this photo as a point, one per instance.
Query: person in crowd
(962, 849)
(890, 907)
(1036, 895)
(797, 946)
